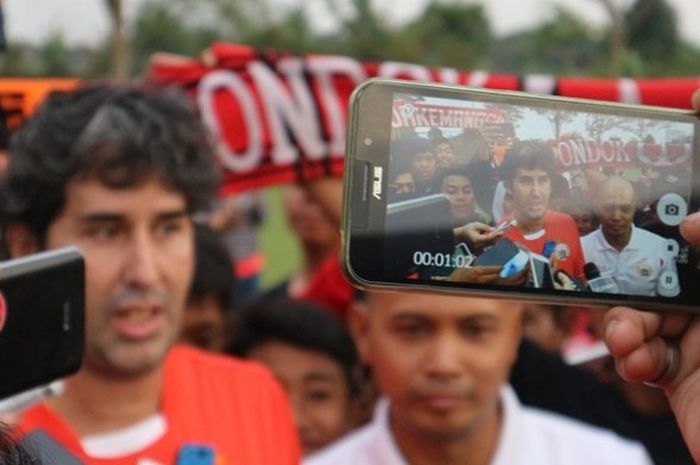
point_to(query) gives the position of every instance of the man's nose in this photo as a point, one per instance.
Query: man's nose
(141, 263)
(444, 359)
(539, 189)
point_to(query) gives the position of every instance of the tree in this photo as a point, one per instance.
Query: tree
(292, 33)
(653, 31)
(557, 119)
(121, 53)
(597, 125)
(617, 36)
(363, 34)
(160, 28)
(54, 57)
(17, 60)
(447, 34)
(641, 128)
(643, 37)
(563, 45)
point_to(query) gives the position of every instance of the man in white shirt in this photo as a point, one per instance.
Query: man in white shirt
(639, 260)
(661, 348)
(442, 363)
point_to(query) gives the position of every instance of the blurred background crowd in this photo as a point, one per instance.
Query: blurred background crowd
(267, 284)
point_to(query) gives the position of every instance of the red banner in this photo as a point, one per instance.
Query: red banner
(580, 153)
(281, 118)
(424, 115)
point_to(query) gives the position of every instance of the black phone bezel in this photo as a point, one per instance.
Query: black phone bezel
(43, 292)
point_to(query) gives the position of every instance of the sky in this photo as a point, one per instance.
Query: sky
(85, 22)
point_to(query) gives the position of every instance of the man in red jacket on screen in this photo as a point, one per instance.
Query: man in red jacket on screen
(527, 173)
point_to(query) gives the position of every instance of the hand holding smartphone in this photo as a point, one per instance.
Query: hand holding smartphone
(576, 184)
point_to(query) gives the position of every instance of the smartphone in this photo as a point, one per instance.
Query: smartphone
(42, 327)
(196, 454)
(592, 151)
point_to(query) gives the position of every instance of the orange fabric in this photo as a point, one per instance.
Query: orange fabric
(249, 266)
(19, 97)
(562, 229)
(233, 406)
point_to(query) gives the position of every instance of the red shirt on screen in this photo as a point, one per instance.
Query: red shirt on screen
(560, 228)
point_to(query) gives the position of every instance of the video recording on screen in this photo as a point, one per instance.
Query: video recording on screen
(542, 198)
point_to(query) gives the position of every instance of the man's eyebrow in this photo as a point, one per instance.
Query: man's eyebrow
(480, 318)
(106, 217)
(409, 315)
(100, 217)
(318, 376)
(173, 214)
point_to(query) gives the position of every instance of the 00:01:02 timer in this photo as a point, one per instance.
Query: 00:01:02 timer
(422, 258)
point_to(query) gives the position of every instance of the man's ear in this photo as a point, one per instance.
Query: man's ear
(20, 240)
(509, 187)
(359, 327)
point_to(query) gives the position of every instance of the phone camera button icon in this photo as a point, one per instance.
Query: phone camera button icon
(668, 284)
(671, 209)
(673, 247)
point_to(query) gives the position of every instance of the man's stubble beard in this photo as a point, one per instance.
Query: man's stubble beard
(107, 357)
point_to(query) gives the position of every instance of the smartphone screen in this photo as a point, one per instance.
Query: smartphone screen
(593, 192)
(41, 319)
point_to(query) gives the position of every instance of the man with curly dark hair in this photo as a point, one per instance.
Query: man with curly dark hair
(527, 173)
(117, 170)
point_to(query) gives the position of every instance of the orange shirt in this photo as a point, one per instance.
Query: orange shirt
(233, 406)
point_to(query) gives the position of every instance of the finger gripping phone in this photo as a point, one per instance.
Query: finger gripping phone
(42, 328)
(581, 186)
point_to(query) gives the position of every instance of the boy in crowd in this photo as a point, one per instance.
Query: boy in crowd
(455, 184)
(444, 152)
(402, 185)
(581, 210)
(416, 152)
(206, 313)
(310, 351)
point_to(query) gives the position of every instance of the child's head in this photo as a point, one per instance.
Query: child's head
(312, 354)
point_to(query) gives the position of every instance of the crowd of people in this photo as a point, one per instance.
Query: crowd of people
(314, 371)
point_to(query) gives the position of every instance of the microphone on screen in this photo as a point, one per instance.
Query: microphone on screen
(598, 283)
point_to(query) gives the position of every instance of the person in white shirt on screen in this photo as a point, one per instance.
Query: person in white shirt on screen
(442, 363)
(638, 259)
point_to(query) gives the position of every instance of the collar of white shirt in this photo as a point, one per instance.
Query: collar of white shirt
(385, 451)
(634, 243)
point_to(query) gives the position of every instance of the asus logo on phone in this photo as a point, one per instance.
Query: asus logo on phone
(377, 182)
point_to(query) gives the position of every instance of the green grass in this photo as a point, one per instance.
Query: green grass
(280, 247)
